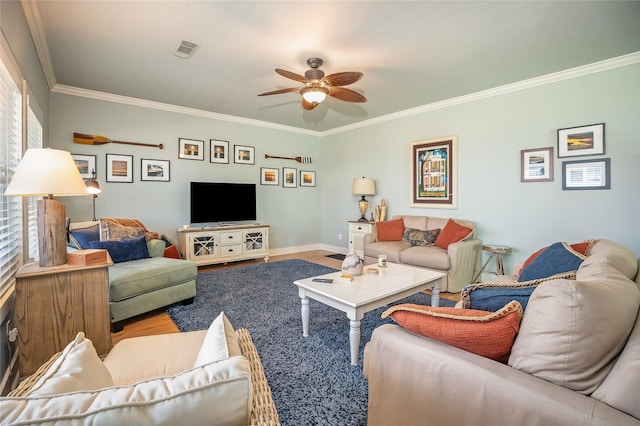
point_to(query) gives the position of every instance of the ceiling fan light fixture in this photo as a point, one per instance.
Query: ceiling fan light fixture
(314, 94)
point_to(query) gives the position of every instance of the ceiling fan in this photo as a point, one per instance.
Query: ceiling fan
(317, 86)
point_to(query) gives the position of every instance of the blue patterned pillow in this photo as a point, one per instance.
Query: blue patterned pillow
(80, 238)
(492, 298)
(556, 259)
(124, 250)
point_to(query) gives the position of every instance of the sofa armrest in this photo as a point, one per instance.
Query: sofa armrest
(465, 257)
(369, 238)
(430, 383)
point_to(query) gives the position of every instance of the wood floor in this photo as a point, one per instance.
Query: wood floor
(158, 322)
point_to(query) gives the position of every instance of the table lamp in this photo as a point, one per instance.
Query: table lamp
(48, 172)
(363, 186)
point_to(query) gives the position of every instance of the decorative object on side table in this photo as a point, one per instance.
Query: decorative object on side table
(381, 211)
(48, 172)
(363, 187)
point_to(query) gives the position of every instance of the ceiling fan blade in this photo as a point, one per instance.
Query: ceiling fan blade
(342, 78)
(292, 75)
(308, 105)
(346, 95)
(277, 92)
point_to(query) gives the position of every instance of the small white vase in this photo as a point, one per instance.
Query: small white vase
(352, 265)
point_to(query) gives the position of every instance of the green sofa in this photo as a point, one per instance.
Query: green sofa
(142, 285)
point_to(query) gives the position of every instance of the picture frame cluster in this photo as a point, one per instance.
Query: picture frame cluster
(587, 140)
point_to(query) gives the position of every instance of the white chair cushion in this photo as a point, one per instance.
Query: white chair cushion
(78, 368)
(220, 391)
(221, 342)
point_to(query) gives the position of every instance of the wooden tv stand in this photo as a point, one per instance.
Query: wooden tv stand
(210, 245)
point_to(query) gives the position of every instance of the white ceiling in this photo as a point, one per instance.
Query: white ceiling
(412, 53)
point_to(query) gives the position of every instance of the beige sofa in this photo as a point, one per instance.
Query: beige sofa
(460, 261)
(575, 360)
(208, 377)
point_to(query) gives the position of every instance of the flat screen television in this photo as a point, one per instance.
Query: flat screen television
(222, 202)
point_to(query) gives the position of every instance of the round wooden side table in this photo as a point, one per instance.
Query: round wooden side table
(496, 252)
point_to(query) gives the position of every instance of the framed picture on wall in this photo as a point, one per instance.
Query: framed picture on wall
(86, 165)
(536, 165)
(154, 170)
(434, 173)
(243, 154)
(269, 176)
(583, 140)
(190, 149)
(119, 168)
(289, 177)
(219, 151)
(307, 178)
(586, 174)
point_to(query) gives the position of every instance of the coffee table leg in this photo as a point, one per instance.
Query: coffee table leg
(435, 296)
(354, 340)
(305, 316)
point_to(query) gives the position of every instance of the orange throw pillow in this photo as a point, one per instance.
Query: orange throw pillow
(452, 232)
(391, 230)
(172, 252)
(488, 334)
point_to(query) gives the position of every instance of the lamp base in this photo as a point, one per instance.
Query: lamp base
(52, 233)
(363, 204)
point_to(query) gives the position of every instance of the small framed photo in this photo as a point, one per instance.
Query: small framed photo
(190, 149)
(586, 174)
(219, 151)
(119, 168)
(154, 170)
(269, 176)
(583, 140)
(244, 154)
(289, 177)
(86, 165)
(307, 178)
(536, 165)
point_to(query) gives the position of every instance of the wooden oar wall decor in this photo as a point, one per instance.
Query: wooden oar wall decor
(303, 160)
(101, 140)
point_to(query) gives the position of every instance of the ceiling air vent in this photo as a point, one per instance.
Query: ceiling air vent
(184, 49)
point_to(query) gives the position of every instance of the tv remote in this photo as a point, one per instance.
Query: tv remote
(322, 280)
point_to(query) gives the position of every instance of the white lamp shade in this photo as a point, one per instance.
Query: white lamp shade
(46, 172)
(363, 186)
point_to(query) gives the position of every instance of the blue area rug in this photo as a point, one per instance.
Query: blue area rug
(311, 378)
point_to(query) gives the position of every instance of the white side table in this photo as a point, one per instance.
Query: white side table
(496, 252)
(357, 231)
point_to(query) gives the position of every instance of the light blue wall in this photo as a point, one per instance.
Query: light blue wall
(491, 134)
(292, 213)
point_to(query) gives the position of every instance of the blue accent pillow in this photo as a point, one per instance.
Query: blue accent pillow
(556, 259)
(493, 299)
(80, 238)
(124, 250)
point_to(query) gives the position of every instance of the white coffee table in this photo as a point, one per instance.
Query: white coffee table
(365, 293)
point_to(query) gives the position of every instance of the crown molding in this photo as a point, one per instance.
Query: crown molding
(608, 64)
(34, 22)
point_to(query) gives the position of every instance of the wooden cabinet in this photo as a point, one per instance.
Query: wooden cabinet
(357, 231)
(54, 303)
(222, 244)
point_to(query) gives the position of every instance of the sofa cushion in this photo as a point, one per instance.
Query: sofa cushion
(219, 390)
(489, 334)
(416, 222)
(136, 277)
(80, 237)
(556, 259)
(621, 387)
(78, 368)
(391, 249)
(220, 342)
(572, 330)
(391, 230)
(156, 247)
(452, 232)
(415, 237)
(427, 257)
(124, 250)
